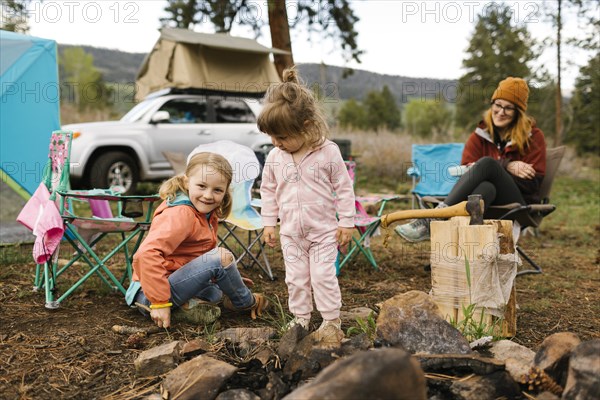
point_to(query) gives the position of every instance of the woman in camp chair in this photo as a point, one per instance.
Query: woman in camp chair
(178, 266)
(504, 158)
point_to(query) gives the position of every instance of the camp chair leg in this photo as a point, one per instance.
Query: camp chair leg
(49, 269)
(247, 250)
(37, 282)
(537, 269)
(357, 245)
(97, 266)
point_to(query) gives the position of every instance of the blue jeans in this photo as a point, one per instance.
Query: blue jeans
(204, 277)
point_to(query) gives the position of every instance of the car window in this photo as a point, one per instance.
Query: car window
(233, 111)
(137, 111)
(185, 111)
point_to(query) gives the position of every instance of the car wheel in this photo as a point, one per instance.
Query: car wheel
(114, 168)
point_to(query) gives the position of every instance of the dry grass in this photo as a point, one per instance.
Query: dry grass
(69, 114)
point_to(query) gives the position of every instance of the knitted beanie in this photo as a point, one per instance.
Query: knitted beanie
(514, 90)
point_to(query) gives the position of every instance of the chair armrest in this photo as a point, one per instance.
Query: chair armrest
(101, 194)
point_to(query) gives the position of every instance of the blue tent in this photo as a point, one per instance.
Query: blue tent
(29, 108)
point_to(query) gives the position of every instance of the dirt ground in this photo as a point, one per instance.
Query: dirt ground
(72, 353)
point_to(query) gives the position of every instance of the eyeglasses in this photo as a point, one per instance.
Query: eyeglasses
(507, 109)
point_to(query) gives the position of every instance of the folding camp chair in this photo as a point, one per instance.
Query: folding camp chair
(366, 226)
(531, 215)
(245, 217)
(68, 224)
(523, 216)
(429, 170)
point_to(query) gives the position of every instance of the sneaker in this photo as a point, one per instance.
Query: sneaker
(330, 330)
(260, 304)
(303, 322)
(331, 323)
(416, 231)
(197, 311)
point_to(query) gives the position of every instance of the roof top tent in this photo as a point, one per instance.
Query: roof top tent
(183, 59)
(29, 112)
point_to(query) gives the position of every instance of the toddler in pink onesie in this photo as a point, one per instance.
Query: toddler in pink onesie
(306, 186)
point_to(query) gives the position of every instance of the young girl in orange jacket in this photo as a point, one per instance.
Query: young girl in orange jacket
(179, 260)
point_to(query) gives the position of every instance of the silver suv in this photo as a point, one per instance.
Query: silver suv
(130, 150)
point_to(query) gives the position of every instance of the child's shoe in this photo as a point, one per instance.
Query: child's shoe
(330, 330)
(197, 311)
(298, 321)
(260, 304)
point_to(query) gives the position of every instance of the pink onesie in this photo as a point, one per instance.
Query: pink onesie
(311, 199)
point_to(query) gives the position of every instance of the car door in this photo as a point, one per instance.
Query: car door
(232, 119)
(185, 129)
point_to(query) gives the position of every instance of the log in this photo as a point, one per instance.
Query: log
(489, 250)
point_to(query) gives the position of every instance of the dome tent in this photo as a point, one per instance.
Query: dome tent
(29, 112)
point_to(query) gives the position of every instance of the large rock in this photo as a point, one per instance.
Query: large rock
(553, 355)
(583, 381)
(199, 378)
(311, 355)
(377, 374)
(517, 359)
(158, 360)
(413, 321)
(290, 340)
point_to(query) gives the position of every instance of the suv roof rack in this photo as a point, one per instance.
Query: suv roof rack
(199, 91)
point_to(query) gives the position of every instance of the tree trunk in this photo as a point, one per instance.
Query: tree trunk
(280, 34)
(559, 128)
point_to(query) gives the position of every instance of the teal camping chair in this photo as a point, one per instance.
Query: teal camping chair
(56, 215)
(366, 226)
(429, 170)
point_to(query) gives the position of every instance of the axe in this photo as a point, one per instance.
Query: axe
(473, 207)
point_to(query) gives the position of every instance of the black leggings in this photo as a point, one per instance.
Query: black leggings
(489, 179)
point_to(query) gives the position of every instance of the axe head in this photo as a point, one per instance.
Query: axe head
(475, 209)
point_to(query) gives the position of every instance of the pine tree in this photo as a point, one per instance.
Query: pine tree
(391, 111)
(584, 131)
(498, 49)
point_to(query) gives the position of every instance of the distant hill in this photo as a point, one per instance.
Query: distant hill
(122, 67)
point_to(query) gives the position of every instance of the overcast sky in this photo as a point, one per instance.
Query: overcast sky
(409, 38)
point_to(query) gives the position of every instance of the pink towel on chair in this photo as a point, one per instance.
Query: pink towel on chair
(29, 214)
(41, 216)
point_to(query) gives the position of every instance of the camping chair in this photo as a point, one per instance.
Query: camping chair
(429, 171)
(531, 215)
(245, 217)
(69, 226)
(366, 226)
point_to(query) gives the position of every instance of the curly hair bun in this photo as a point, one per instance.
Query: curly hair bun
(290, 75)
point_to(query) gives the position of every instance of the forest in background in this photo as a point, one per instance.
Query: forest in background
(500, 46)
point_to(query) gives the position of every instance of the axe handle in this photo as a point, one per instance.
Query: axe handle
(456, 210)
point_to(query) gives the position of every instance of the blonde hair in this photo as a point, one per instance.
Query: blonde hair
(290, 109)
(517, 131)
(169, 188)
